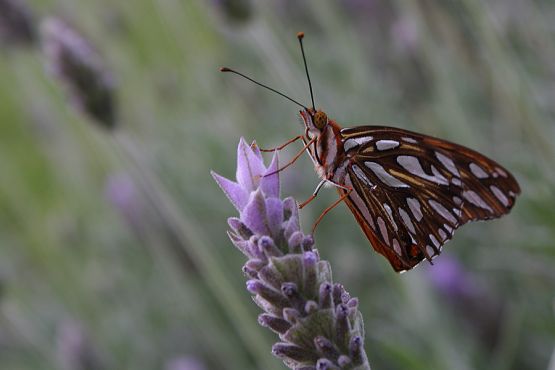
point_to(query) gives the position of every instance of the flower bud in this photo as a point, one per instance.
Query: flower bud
(17, 25)
(78, 67)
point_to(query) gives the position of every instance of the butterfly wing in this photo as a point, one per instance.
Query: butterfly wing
(411, 191)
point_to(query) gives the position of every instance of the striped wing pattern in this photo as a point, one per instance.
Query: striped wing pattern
(411, 191)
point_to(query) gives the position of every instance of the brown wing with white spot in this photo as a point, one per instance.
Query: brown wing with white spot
(411, 191)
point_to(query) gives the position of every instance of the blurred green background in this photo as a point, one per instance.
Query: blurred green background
(113, 251)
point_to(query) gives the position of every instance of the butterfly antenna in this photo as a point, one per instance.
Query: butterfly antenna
(225, 69)
(300, 36)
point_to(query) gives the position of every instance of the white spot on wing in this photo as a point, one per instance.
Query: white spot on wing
(356, 141)
(501, 172)
(431, 251)
(349, 144)
(414, 206)
(386, 144)
(412, 165)
(397, 247)
(457, 182)
(384, 176)
(448, 228)
(475, 199)
(409, 140)
(442, 234)
(443, 212)
(477, 171)
(361, 175)
(357, 200)
(448, 163)
(339, 174)
(439, 176)
(383, 230)
(434, 240)
(406, 220)
(499, 194)
(390, 215)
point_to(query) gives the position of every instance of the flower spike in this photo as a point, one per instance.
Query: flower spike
(318, 323)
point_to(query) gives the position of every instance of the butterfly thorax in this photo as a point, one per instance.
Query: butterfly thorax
(327, 149)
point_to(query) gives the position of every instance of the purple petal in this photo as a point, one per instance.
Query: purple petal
(291, 315)
(325, 299)
(343, 361)
(295, 240)
(307, 243)
(254, 214)
(274, 213)
(310, 307)
(249, 167)
(290, 206)
(235, 223)
(275, 323)
(356, 350)
(256, 150)
(268, 247)
(325, 364)
(255, 264)
(254, 286)
(234, 192)
(270, 184)
(240, 244)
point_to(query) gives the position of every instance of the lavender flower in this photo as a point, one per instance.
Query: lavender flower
(237, 11)
(74, 350)
(470, 300)
(16, 23)
(318, 323)
(72, 59)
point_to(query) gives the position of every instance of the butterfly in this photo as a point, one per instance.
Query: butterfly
(408, 192)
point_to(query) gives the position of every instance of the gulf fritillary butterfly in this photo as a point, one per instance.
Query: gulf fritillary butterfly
(408, 191)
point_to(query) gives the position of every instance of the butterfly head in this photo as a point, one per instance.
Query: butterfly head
(314, 121)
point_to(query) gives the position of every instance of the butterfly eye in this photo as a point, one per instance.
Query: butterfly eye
(320, 119)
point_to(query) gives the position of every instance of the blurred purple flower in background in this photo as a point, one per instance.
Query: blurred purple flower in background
(317, 321)
(362, 6)
(237, 11)
(74, 350)
(122, 193)
(404, 35)
(142, 215)
(17, 25)
(79, 68)
(469, 298)
(185, 363)
(450, 279)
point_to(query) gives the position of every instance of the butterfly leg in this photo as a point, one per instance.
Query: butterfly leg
(282, 145)
(322, 183)
(306, 145)
(341, 199)
(317, 190)
(297, 156)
